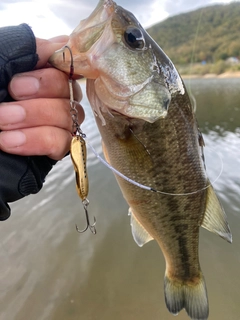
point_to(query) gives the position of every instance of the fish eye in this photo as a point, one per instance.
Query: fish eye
(134, 38)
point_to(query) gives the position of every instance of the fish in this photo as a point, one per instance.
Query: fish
(150, 135)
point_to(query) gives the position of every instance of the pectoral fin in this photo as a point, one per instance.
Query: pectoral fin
(215, 219)
(140, 234)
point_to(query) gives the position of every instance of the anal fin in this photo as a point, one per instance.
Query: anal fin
(215, 219)
(140, 234)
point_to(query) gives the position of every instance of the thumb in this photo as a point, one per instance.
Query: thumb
(45, 48)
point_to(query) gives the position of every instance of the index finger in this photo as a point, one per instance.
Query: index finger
(42, 83)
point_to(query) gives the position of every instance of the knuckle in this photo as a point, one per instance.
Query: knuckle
(56, 113)
(51, 142)
(81, 113)
(57, 143)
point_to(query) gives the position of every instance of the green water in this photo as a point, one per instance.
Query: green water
(50, 272)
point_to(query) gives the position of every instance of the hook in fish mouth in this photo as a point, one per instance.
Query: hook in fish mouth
(62, 59)
(79, 48)
(71, 71)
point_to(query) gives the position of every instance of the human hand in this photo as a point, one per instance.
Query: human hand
(39, 121)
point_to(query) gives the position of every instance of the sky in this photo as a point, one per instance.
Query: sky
(49, 18)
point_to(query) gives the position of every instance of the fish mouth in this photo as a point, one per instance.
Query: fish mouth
(78, 51)
(109, 47)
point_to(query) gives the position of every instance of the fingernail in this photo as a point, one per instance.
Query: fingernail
(11, 113)
(24, 86)
(12, 139)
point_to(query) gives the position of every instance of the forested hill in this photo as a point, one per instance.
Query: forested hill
(212, 32)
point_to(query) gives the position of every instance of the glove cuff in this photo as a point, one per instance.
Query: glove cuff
(17, 54)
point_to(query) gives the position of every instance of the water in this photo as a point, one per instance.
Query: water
(50, 272)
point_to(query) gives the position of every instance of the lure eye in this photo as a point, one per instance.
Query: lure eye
(134, 38)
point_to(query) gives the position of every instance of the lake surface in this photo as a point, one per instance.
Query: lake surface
(50, 272)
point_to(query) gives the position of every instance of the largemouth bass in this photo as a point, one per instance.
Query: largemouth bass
(150, 135)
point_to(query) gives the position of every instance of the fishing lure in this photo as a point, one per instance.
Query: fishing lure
(78, 154)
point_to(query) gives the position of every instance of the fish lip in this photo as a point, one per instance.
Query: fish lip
(108, 8)
(100, 16)
(104, 10)
(109, 4)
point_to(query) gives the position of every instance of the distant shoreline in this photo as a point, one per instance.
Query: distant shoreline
(225, 75)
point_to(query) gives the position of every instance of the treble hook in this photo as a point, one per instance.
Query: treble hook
(89, 226)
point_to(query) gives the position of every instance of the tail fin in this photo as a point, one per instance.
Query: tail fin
(191, 297)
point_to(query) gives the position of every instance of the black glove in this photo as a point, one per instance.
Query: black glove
(19, 176)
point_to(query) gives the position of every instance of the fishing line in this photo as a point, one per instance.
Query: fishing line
(142, 186)
(195, 40)
(191, 95)
(118, 172)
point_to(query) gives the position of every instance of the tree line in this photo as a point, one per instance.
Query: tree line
(209, 34)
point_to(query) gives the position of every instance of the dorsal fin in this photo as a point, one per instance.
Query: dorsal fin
(140, 234)
(215, 219)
